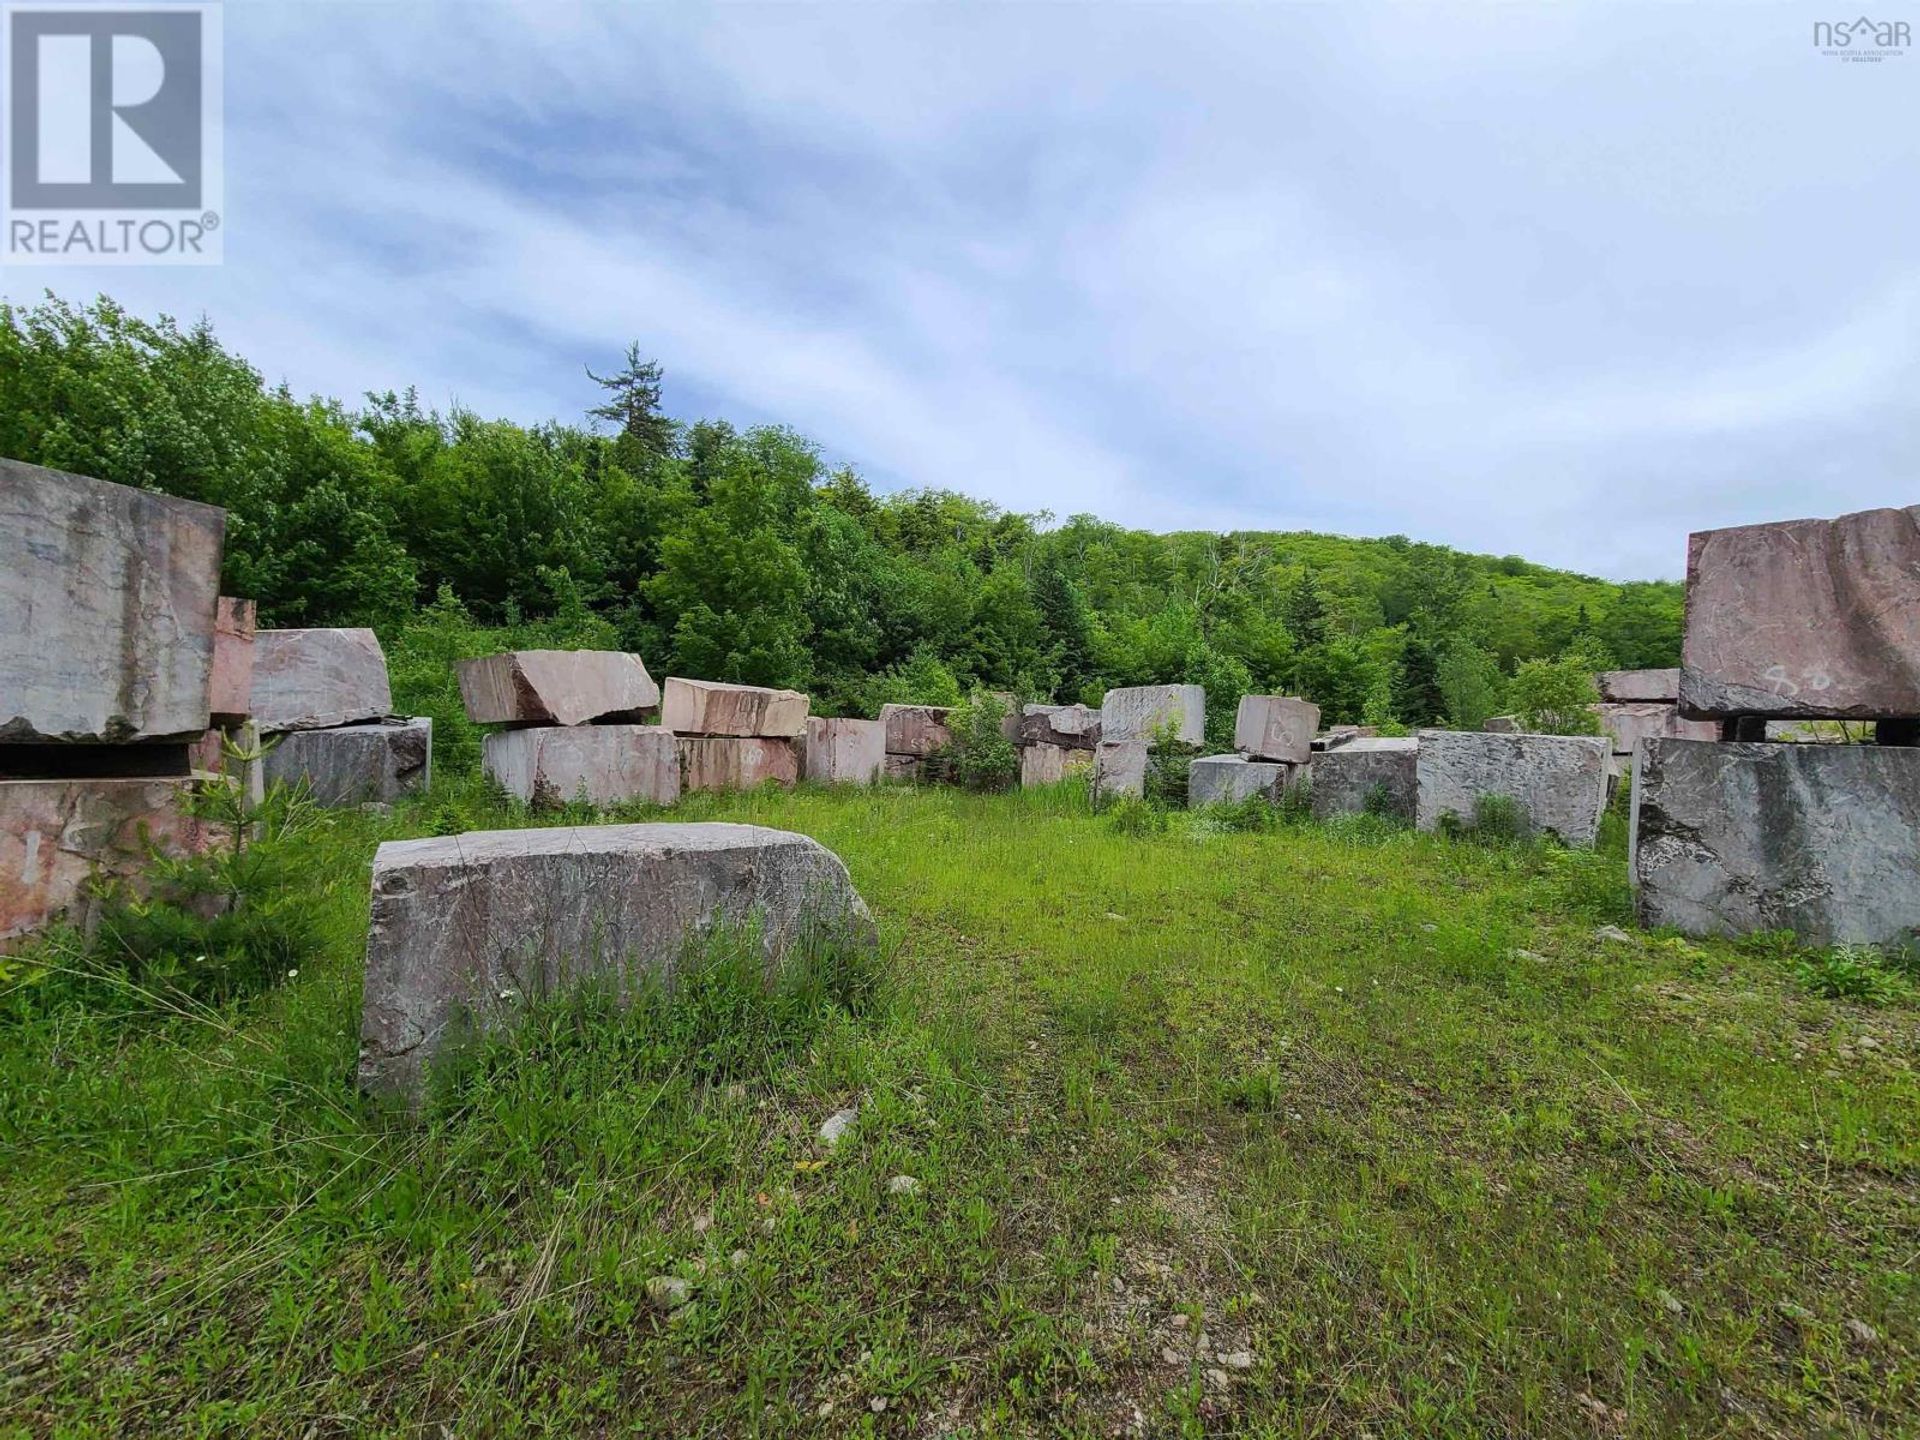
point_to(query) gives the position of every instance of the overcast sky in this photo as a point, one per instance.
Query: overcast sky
(1567, 281)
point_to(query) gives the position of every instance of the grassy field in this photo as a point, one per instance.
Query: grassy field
(1321, 1131)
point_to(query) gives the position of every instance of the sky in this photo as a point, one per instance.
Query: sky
(1566, 281)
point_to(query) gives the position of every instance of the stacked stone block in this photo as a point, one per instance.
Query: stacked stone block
(734, 737)
(321, 702)
(1057, 741)
(911, 733)
(1273, 737)
(573, 727)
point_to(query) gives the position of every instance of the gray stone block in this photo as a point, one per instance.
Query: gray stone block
(353, 764)
(1070, 727)
(317, 679)
(1043, 764)
(844, 752)
(468, 930)
(1559, 782)
(601, 764)
(1120, 768)
(557, 687)
(1823, 840)
(706, 707)
(107, 599)
(1502, 725)
(1275, 727)
(1367, 771)
(1137, 712)
(1635, 687)
(1229, 779)
(916, 729)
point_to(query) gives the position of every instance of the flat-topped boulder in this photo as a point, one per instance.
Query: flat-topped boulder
(1138, 712)
(1229, 779)
(1120, 768)
(843, 751)
(1276, 727)
(379, 761)
(916, 730)
(468, 930)
(1735, 838)
(1071, 727)
(707, 707)
(1638, 687)
(1367, 775)
(557, 687)
(601, 764)
(1558, 782)
(1804, 619)
(737, 762)
(230, 687)
(1044, 764)
(315, 679)
(107, 601)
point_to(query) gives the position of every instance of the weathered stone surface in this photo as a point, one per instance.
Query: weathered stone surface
(737, 762)
(1633, 687)
(230, 689)
(1502, 725)
(353, 764)
(910, 769)
(1072, 727)
(1275, 727)
(557, 687)
(1228, 779)
(916, 729)
(1334, 736)
(1823, 840)
(317, 679)
(468, 929)
(1805, 619)
(1136, 712)
(1120, 768)
(1345, 779)
(602, 764)
(844, 752)
(56, 834)
(107, 599)
(1626, 723)
(1044, 764)
(706, 707)
(1558, 781)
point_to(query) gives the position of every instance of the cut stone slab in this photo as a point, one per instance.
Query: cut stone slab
(1229, 779)
(1136, 712)
(1043, 764)
(916, 729)
(557, 687)
(1804, 619)
(107, 599)
(1558, 781)
(55, 835)
(230, 690)
(737, 762)
(706, 707)
(1275, 727)
(1071, 727)
(601, 764)
(1368, 772)
(317, 679)
(1635, 687)
(1627, 723)
(467, 930)
(353, 764)
(1730, 838)
(1120, 768)
(844, 752)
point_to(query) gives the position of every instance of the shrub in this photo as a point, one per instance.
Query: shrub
(1132, 815)
(1497, 819)
(1556, 697)
(1169, 759)
(979, 757)
(1865, 973)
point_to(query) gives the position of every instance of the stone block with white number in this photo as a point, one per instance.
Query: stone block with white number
(1276, 727)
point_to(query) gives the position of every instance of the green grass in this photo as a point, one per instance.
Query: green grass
(1381, 1111)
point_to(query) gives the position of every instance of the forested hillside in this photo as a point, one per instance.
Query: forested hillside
(738, 555)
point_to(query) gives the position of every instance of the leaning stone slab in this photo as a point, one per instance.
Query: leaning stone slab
(1137, 712)
(1559, 782)
(601, 764)
(1733, 838)
(1275, 727)
(737, 762)
(230, 690)
(1120, 768)
(1229, 779)
(1072, 727)
(316, 679)
(557, 687)
(844, 752)
(467, 930)
(380, 761)
(1638, 687)
(1044, 764)
(1805, 619)
(107, 598)
(706, 707)
(1367, 774)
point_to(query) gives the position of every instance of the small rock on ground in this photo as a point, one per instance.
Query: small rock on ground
(668, 1292)
(903, 1185)
(837, 1124)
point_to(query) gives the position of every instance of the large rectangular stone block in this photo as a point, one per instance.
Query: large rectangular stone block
(1138, 712)
(1823, 840)
(1367, 773)
(1805, 619)
(107, 598)
(1044, 764)
(737, 762)
(601, 764)
(317, 679)
(230, 690)
(1229, 779)
(1559, 782)
(1634, 687)
(706, 707)
(468, 930)
(557, 687)
(916, 729)
(1275, 727)
(56, 835)
(1627, 723)
(378, 761)
(1071, 727)
(1120, 768)
(844, 752)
